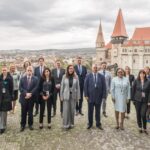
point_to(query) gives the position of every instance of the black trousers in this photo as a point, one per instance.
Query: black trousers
(27, 109)
(79, 104)
(97, 113)
(54, 101)
(141, 109)
(36, 103)
(42, 109)
(128, 106)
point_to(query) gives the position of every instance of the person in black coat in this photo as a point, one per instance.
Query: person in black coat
(6, 97)
(141, 97)
(46, 87)
(38, 71)
(57, 74)
(147, 70)
(131, 81)
(81, 71)
(28, 89)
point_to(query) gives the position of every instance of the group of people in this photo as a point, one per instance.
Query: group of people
(39, 87)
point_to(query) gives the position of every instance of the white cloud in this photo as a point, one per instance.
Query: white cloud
(37, 24)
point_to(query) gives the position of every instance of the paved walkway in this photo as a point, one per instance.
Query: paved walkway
(78, 138)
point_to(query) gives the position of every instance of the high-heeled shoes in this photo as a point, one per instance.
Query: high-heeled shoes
(49, 126)
(41, 126)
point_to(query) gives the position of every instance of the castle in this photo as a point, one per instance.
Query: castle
(133, 52)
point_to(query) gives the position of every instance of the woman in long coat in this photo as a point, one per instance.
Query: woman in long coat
(6, 96)
(70, 94)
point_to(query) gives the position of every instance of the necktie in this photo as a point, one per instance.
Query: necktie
(95, 79)
(41, 70)
(104, 73)
(80, 71)
(29, 81)
(58, 71)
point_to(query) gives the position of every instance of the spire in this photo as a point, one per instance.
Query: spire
(119, 29)
(100, 38)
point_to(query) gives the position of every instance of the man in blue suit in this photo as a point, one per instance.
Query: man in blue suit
(28, 88)
(95, 91)
(81, 71)
(38, 72)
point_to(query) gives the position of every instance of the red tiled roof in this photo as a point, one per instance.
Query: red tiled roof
(141, 34)
(131, 43)
(108, 45)
(119, 29)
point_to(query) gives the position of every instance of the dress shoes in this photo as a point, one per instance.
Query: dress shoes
(104, 114)
(81, 114)
(2, 131)
(100, 127)
(22, 129)
(89, 127)
(35, 114)
(31, 128)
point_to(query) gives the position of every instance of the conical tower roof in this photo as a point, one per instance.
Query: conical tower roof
(100, 38)
(119, 29)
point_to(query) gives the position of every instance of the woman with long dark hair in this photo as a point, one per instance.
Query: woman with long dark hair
(70, 94)
(46, 89)
(141, 96)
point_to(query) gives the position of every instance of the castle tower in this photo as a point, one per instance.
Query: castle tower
(118, 37)
(119, 34)
(100, 46)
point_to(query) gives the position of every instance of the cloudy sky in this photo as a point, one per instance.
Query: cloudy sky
(41, 24)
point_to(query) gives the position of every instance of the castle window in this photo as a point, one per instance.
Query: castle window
(147, 42)
(146, 61)
(101, 59)
(133, 60)
(146, 50)
(135, 50)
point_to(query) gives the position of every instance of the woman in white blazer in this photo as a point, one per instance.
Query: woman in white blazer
(69, 94)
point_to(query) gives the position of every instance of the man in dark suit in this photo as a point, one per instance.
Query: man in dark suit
(95, 91)
(81, 72)
(57, 74)
(147, 70)
(28, 88)
(131, 81)
(38, 73)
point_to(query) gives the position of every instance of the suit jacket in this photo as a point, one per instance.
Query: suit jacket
(108, 79)
(82, 75)
(54, 75)
(137, 91)
(65, 90)
(37, 72)
(50, 87)
(131, 80)
(95, 95)
(23, 88)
